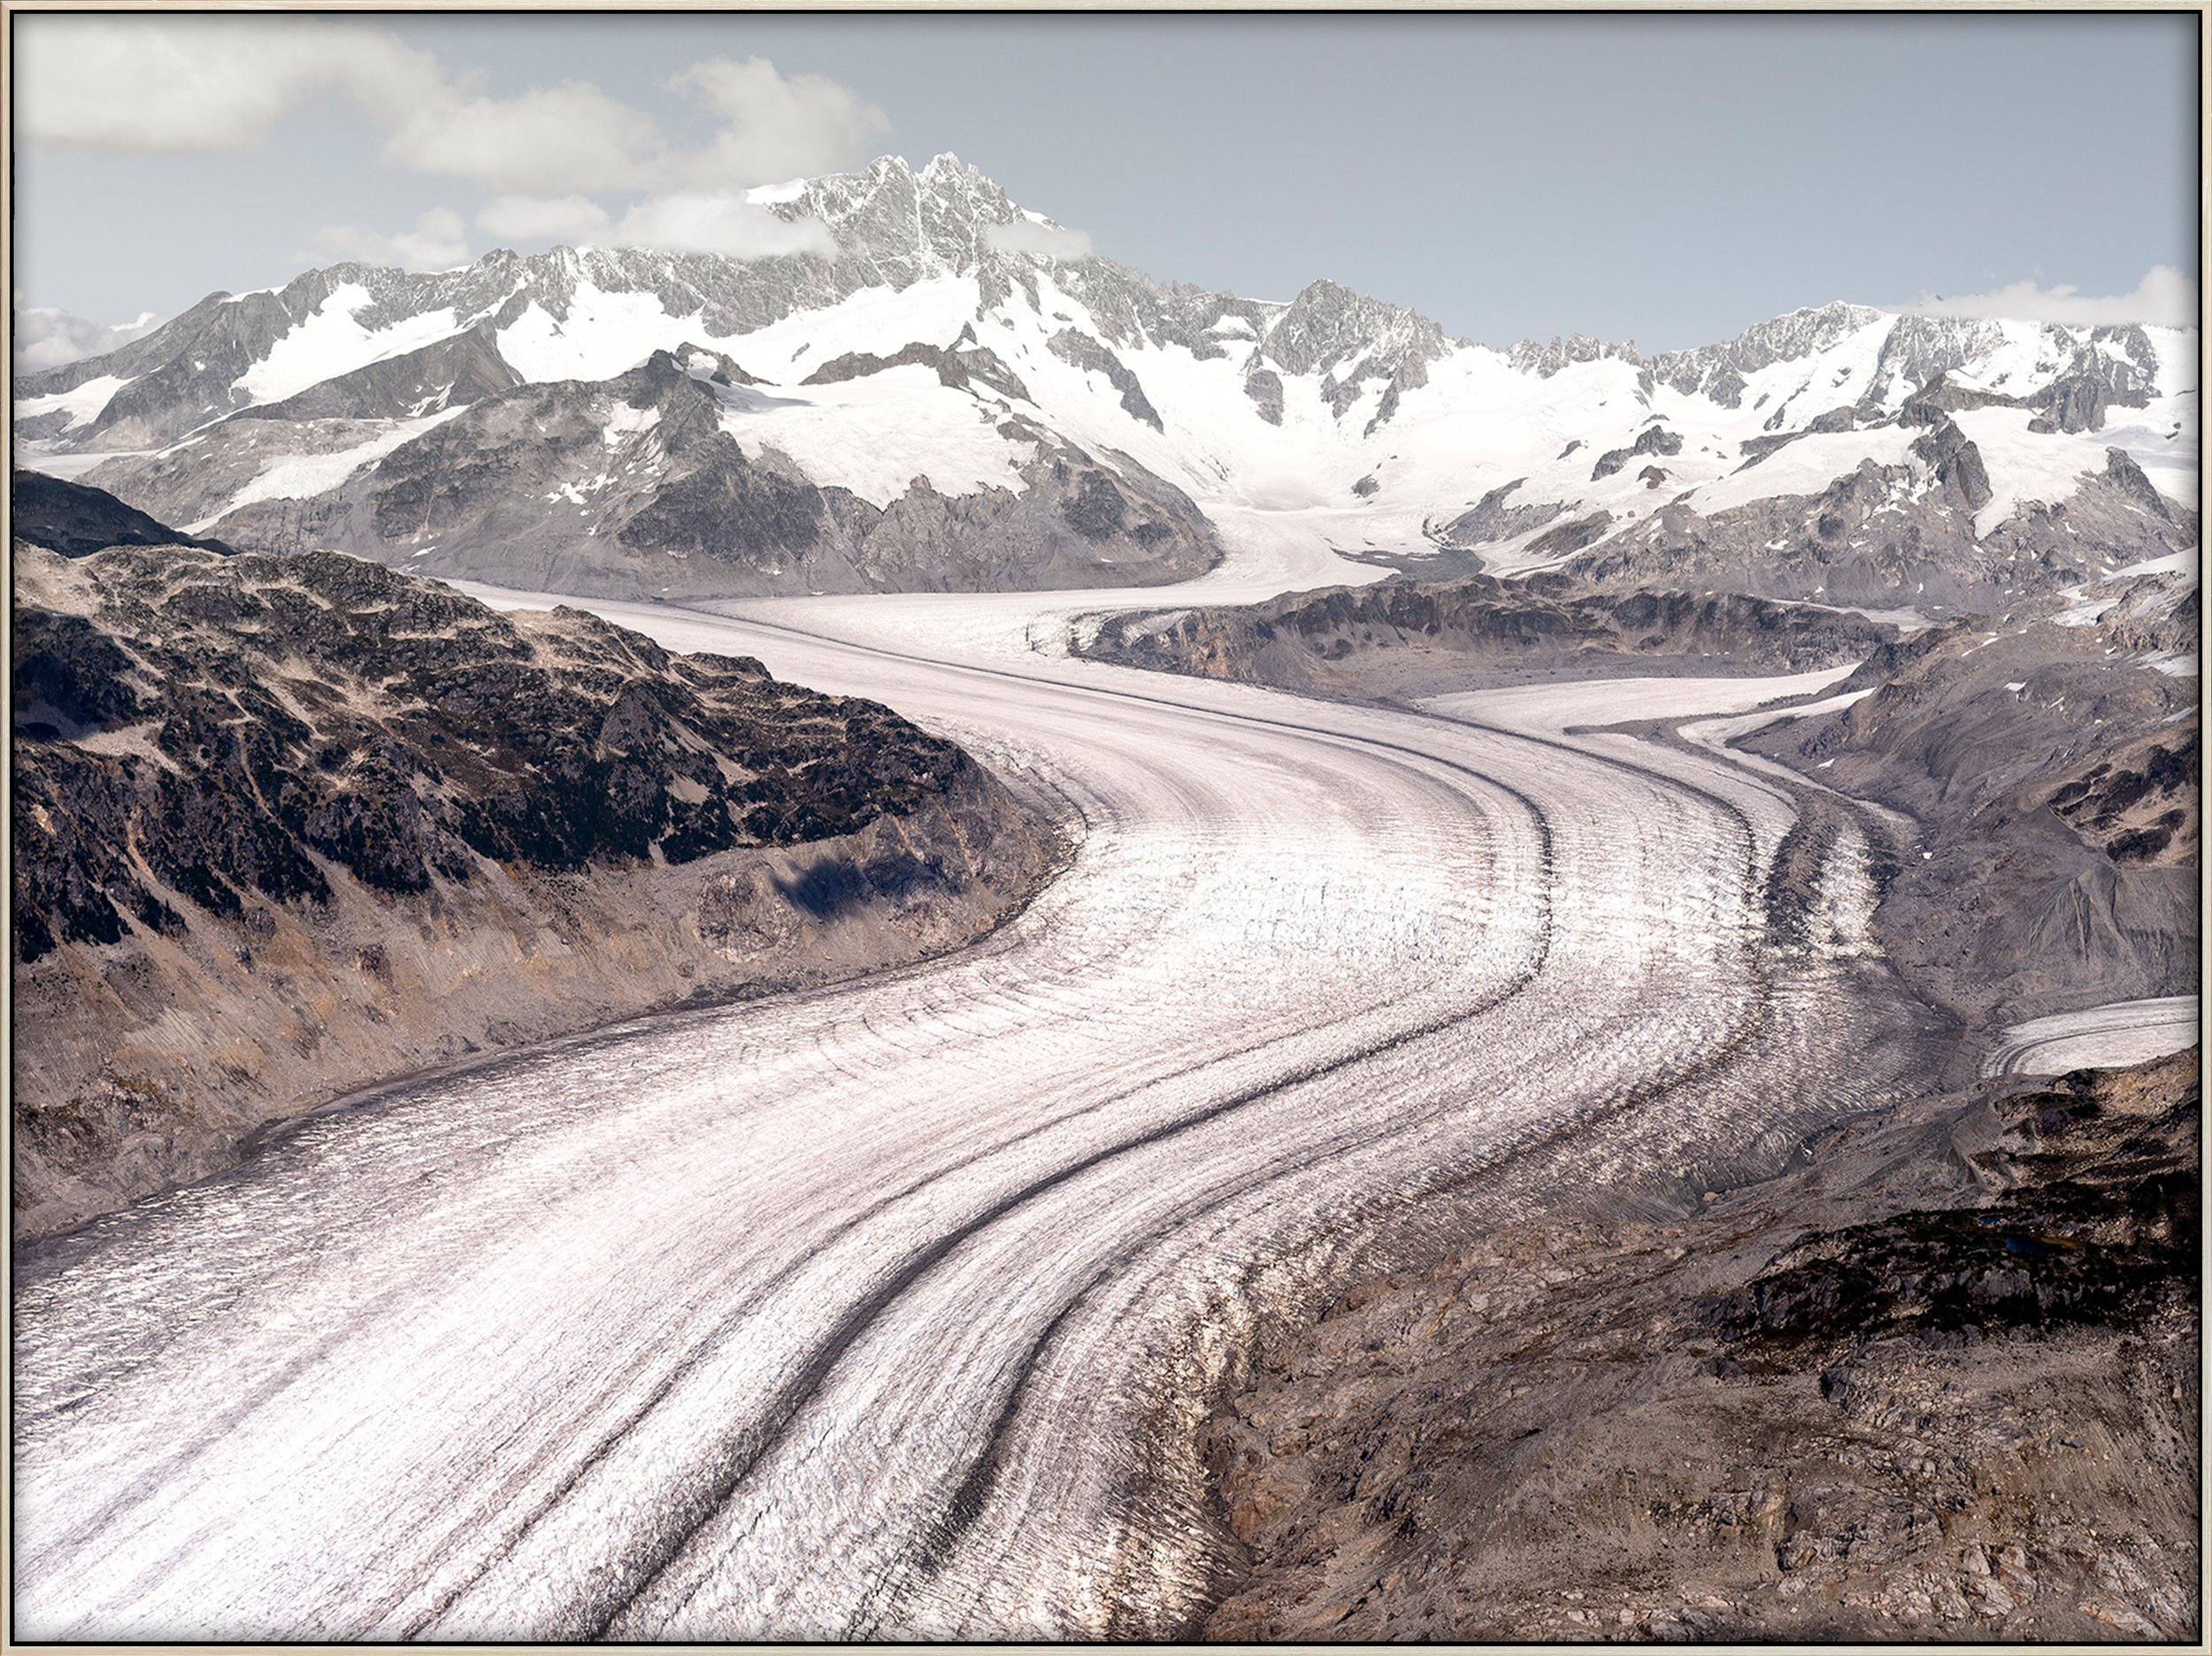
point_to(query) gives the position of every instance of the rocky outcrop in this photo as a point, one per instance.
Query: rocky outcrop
(1399, 638)
(1544, 361)
(1877, 536)
(2051, 759)
(1490, 519)
(284, 828)
(958, 368)
(1652, 439)
(1938, 1381)
(1264, 386)
(77, 520)
(1719, 371)
(1956, 466)
(452, 373)
(1079, 350)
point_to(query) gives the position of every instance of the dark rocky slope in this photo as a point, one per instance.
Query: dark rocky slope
(1411, 638)
(1939, 1380)
(77, 520)
(284, 827)
(2054, 770)
(1877, 536)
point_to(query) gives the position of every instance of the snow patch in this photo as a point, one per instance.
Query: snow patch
(303, 477)
(82, 405)
(330, 343)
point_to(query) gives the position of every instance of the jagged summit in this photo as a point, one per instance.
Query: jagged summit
(943, 380)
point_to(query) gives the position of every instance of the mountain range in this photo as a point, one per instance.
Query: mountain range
(935, 408)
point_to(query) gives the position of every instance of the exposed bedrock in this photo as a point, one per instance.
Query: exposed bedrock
(1938, 1380)
(1407, 637)
(1871, 537)
(284, 828)
(2051, 757)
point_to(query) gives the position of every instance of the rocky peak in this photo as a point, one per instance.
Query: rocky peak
(1718, 370)
(1544, 361)
(919, 223)
(1328, 323)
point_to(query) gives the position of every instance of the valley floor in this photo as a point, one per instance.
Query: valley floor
(895, 1309)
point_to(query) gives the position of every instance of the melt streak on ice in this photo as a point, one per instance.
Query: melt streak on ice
(891, 1309)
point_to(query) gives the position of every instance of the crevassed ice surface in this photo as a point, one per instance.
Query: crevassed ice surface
(890, 1309)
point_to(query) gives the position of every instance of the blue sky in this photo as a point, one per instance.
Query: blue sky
(1666, 179)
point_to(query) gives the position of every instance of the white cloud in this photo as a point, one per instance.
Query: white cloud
(572, 218)
(2165, 297)
(198, 84)
(570, 134)
(47, 338)
(1026, 235)
(682, 221)
(774, 127)
(194, 85)
(436, 242)
(710, 222)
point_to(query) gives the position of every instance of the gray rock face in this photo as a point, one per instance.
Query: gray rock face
(1653, 440)
(449, 374)
(1957, 465)
(961, 369)
(1264, 386)
(1402, 638)
(1328, 326)
(723, 370)
(2057, 783)
(1874, 538)
(632, 488)
(1490, 519)
(2075, 404)
(1571, 537)
(1544, 361)
(1081, 350)
(1919, 348)
(1718, 371)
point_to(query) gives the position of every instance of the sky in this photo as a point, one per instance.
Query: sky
(1665, 180)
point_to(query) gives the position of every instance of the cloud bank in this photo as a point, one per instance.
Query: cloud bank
(1048, 240)
(47, 338)
(682, 221)
(437, 242)
(2165, 298)
(197, 85)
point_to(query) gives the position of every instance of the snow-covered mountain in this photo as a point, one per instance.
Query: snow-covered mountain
(935, 407)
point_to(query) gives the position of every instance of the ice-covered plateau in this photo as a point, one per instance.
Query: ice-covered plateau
(929, 412)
